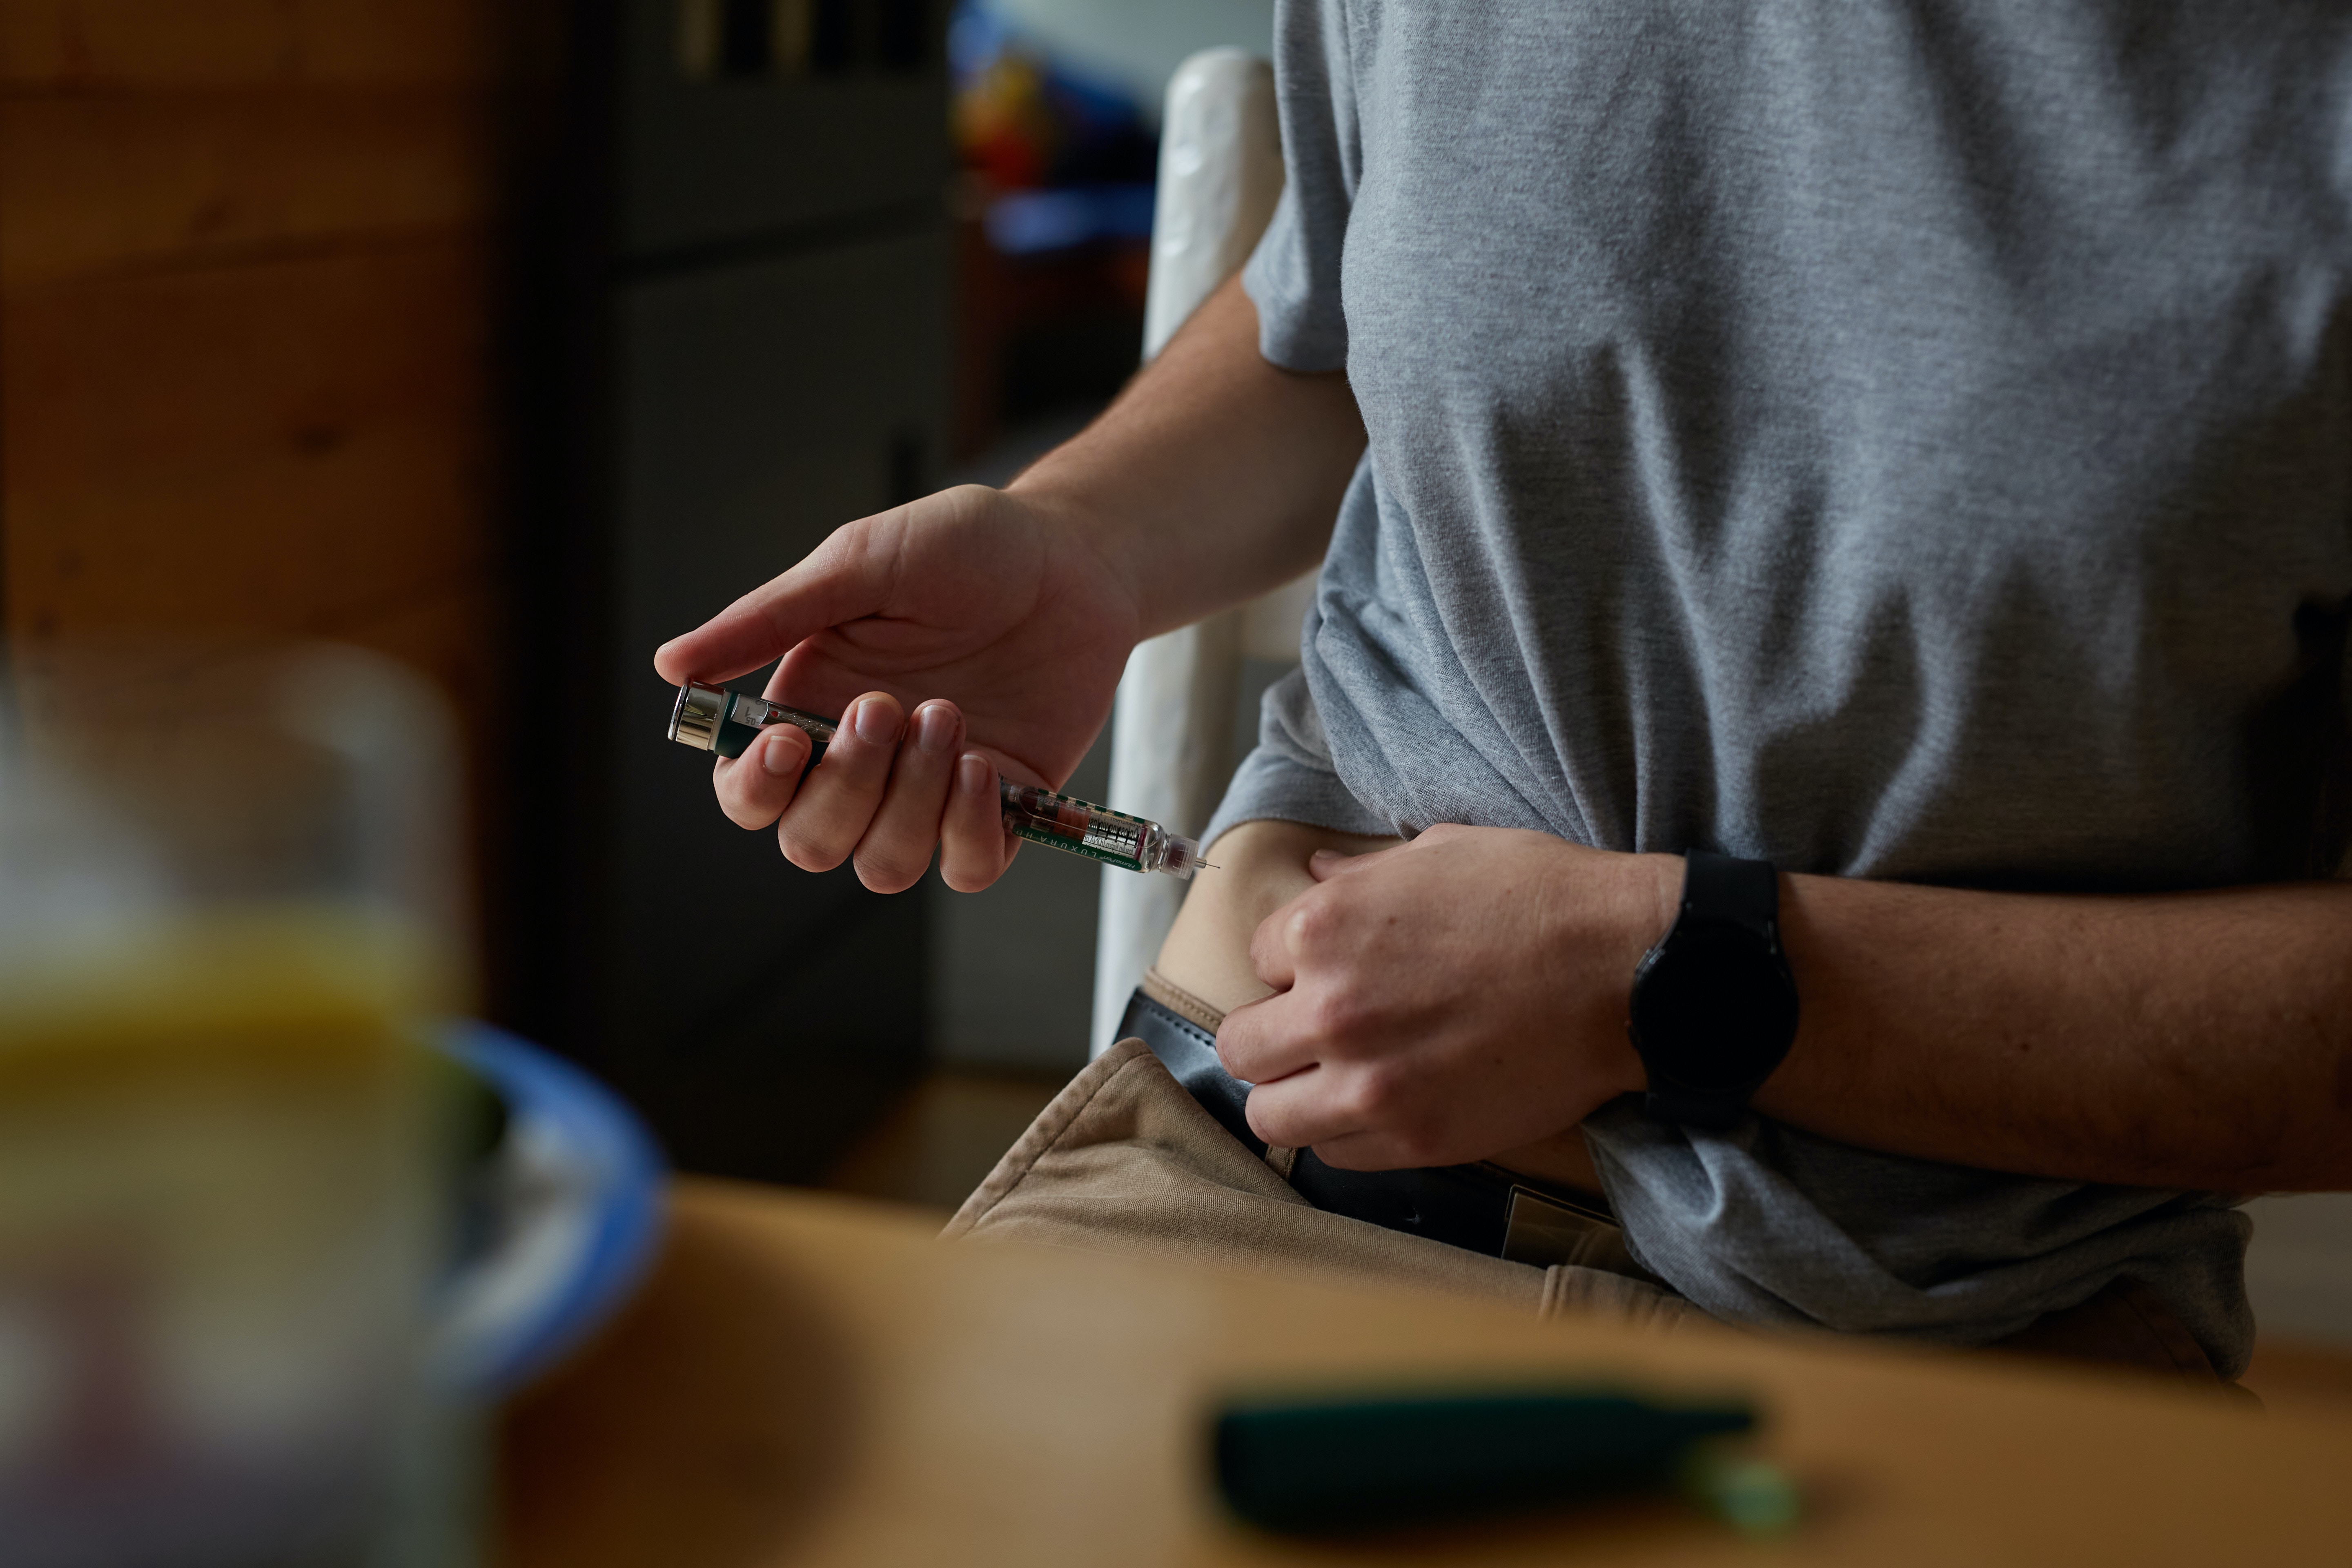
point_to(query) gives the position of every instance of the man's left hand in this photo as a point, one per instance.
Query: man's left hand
(1447, 999)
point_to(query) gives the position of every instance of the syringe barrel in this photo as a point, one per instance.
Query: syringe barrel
(1038, 814)
(710, 719)
(1098, 832)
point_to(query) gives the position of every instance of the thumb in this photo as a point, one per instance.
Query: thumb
(845, 579)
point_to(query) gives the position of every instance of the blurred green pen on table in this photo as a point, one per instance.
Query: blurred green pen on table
(1336, 1463)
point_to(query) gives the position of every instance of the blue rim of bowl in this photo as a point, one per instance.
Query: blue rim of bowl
(602, 1133)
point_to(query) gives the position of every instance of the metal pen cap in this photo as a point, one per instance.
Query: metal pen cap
(700, 711)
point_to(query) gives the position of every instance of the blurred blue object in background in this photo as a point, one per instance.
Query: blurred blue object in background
(567, 1213)
(1026, 118)
(1057, 107)
(1025, 223)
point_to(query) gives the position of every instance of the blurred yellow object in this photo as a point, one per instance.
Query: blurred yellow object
(257, 984)
(220, 1213)
(1003, 124)
(222, 1187)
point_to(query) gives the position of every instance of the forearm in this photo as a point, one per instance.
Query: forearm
(1214, 475)
(2198, 1040)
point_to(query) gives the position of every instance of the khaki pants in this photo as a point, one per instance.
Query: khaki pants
(1125, 1161)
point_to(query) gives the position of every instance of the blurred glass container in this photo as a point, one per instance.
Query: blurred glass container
(228, 911)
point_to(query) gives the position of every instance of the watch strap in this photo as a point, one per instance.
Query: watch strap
(1707, 1112)
(1722, 888)
(1730, 891)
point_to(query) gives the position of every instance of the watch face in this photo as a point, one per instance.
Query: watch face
(1713, 1010)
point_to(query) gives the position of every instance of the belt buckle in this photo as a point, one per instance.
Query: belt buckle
(1544, 1230)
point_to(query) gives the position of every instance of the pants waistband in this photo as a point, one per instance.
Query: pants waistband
(1481, 1207)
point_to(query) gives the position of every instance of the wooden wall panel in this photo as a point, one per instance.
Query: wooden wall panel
(244, 284)
(267, 444)
(236, 43)
(100, 183)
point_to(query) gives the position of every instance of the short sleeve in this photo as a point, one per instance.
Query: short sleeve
(1293, 277)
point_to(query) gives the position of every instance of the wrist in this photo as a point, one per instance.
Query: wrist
(1069, 519)
(1658, 900)
(1713, 1006)
(1654, 902)
(1645, 894)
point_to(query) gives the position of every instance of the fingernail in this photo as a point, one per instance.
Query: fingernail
(780, 756)
(934, 728)
(877, 721)
(974, 776)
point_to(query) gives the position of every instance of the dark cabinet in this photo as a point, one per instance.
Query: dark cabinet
(740, 307)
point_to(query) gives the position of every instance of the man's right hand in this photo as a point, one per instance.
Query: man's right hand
(961, 636)
(980, 631)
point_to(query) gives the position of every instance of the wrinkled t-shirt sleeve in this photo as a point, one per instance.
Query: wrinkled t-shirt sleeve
(1293, 277)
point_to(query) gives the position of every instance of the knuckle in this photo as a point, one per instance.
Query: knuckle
(1411, 1135)
(1334, 1015)
(889, 871)
(960, 502)
(1369, 1098)
(810, 848)
(965, 873)
(1313, 926)
(748, 814)
(1232, 1055)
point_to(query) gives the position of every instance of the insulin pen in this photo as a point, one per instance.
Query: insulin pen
(710, 719)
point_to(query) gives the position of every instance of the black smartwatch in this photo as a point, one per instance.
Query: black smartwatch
(1715, 1007)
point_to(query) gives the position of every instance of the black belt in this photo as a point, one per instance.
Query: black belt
(1471, 1206)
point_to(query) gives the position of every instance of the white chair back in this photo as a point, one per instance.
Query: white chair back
(1171, 732)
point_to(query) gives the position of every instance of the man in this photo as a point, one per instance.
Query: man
(1903, 443)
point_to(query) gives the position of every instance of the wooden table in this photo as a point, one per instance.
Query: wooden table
(812, 1380)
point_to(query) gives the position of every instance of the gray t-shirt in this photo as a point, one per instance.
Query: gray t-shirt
(1894, 439)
